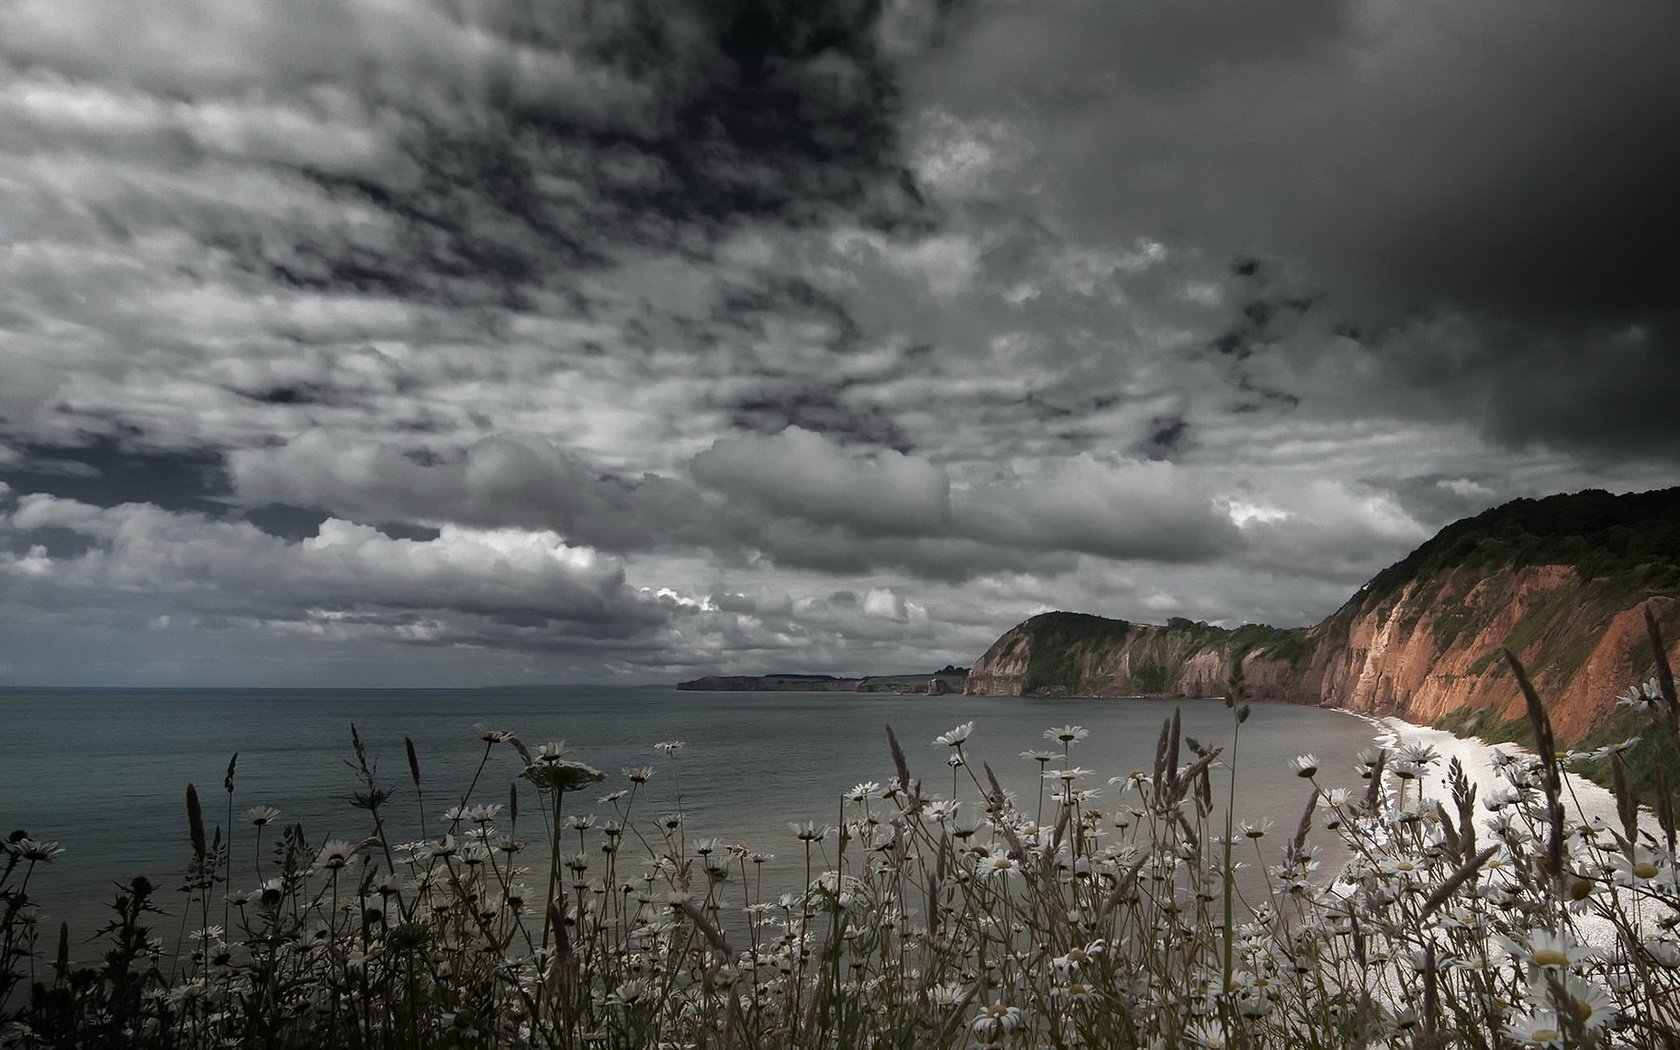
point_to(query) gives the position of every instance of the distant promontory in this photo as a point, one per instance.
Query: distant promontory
(946, 680)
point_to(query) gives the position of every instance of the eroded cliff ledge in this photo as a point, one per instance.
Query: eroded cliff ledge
(1564, 582)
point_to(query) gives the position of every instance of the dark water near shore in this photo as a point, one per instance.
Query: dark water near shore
(105, 772)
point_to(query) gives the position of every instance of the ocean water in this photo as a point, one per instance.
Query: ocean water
(105, 772)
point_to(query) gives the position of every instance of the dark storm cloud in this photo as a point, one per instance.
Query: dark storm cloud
(835, 551)
(234, 568)
(106, 472)
(1508, 164)
(709, 114)
(613, 338)
(298, 178)
(494, 482)
(1442, 498)
(800, 474)
(1167, 436)
(819, 411)
(893, 509)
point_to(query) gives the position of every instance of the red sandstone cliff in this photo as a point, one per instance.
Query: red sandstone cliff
(1422, 641)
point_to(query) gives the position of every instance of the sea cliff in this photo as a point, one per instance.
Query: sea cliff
(1564, 582)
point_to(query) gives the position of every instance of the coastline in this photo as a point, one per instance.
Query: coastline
(1585, 802)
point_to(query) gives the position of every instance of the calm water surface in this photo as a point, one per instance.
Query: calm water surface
(105, 771)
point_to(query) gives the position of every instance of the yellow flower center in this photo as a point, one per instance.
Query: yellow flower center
(1076, 955)
(1580, 889)
(1550, 957)
(1645, 870)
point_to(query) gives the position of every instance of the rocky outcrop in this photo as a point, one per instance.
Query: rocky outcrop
(1075, 654)
(1421, 641)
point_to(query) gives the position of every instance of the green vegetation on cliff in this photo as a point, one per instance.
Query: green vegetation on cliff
(1060, 643)
(1063, 647)
(1628, 543)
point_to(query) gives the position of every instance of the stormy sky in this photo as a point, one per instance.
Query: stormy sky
(461, 342)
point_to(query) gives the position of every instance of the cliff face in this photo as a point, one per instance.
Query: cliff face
(1421, 641)
(1073, 654)
(1433, 652)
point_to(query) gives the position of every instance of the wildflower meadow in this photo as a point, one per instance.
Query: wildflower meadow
(547, 904)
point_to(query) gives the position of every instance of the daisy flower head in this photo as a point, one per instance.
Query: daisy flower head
(1661, 948)
(34, 850)
(1549, 951)
(1499, 797)
(1401, 866)
(336, 854)
(670, 747)
(261, 816)
(1041, 757)
(1072, 773)
(1067, 734)
(955, 737)
(561, 775)
(809, 831)
(1305, 765)
(946, 995)
(491, 736)
(1422, 754)
(1643, 865)
(997, 1019)
(866, 790)
(1590, 1003)
(551, 752)
(942, 809)
(1074, 992)
(1642, 698)
(1076, 957)
(1137, 779)
(1067, 796)
(631, 993)
(1541, 1028)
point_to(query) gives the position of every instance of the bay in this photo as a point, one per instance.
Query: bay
(104, 772)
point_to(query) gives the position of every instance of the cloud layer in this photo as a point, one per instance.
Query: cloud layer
(372, 343)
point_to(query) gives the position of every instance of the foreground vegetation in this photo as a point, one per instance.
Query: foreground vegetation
(1104, 911)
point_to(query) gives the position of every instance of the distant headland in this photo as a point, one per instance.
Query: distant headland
(948, 679)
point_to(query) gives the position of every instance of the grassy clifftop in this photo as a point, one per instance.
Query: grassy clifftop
(1065, 653)
(1631, 541)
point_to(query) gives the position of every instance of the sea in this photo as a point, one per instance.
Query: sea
(105, 772)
